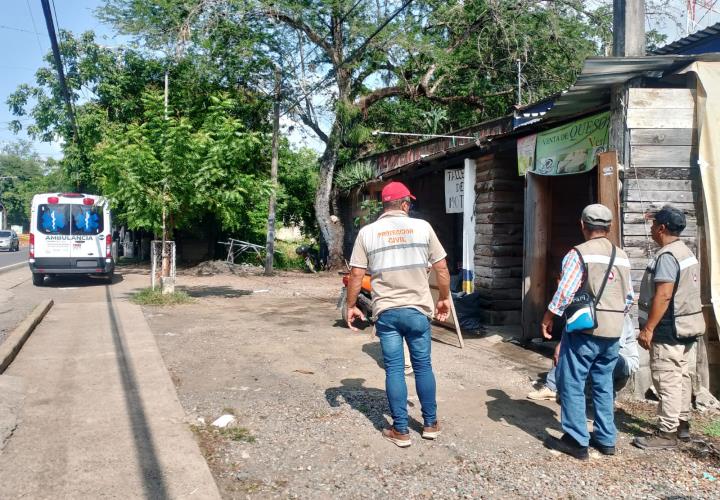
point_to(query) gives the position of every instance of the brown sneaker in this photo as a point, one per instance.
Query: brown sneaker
(683, 431)
(660, 440)
(431, 431)
(396, 438)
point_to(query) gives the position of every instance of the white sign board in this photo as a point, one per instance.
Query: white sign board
(454, 186)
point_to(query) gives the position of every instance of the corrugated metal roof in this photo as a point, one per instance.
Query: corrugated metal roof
(592, 88)
(684, 44)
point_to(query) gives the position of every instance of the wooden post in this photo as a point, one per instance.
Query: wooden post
(608, 192)
(538, 208)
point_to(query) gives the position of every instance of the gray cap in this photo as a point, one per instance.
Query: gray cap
(597, 215)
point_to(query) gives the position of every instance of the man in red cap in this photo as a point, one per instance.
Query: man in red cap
(397, 251)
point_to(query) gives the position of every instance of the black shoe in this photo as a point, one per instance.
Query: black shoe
(683, 431)
(604, 450)
(566, 444)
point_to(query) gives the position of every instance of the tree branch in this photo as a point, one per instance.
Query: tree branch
(314, 126)
(298, 24)
(379, 94)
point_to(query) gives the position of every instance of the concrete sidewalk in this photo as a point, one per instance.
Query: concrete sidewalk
(100, 417)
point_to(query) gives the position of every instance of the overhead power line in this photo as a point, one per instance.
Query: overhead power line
(58, 64)
(37, 35)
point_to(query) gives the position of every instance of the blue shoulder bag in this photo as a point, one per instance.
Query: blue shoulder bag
(580, 315)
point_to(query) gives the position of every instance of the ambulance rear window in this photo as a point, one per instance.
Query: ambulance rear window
(53, 219)
(87, 219)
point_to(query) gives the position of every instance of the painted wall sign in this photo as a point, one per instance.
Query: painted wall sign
(454, 186)
(526, 153)
(572, 148)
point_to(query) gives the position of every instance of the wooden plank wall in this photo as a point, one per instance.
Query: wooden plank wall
(499, 237)
(663, 168)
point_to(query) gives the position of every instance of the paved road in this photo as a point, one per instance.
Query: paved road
(9, 258)
(98, 415)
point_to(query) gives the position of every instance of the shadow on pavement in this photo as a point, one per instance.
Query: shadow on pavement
(532, 418)
(153, 481)
(78, 281)
(374, 350)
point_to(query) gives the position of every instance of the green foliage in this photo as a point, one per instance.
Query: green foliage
(150, 297)
(354, 175)
(27, 175)
(370, 209)
(190, 171)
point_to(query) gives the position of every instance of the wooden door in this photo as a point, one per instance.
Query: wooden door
(538, 208)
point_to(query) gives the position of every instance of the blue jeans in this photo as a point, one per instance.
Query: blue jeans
(392, 326)
(582, 355)
(620, 375)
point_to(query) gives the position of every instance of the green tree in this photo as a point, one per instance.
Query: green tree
(169, 169)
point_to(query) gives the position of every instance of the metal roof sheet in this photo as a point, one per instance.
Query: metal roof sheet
(687, 42)
(592, 87)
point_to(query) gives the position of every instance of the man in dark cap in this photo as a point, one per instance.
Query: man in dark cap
(397, 251)
(600, 269)
(671, 320)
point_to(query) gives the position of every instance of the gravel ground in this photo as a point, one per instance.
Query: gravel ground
(309, 401)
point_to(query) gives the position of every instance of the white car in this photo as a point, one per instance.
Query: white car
(9, 241)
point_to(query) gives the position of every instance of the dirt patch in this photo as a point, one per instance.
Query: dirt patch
(215, 267)
(311, 394)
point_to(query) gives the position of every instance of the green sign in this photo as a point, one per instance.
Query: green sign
(572, 148)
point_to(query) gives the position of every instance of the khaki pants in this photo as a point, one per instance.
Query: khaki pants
(672, 366)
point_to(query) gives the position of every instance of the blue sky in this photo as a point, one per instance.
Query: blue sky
(25, 43)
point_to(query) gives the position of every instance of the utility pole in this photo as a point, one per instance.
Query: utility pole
(58, 64)
(628, 28)
(270, 242)
(628, 41)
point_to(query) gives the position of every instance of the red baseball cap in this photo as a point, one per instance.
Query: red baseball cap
(395, 191)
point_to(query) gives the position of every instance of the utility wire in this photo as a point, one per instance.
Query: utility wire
(59, 66)
(37, 35)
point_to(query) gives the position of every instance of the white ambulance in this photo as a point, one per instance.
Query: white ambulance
(70, 233)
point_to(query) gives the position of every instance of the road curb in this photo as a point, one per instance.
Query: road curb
(14, 342)
(13, 266)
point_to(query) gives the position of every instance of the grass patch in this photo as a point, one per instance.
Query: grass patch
(238, 434)
(150, 297)
(712, 429)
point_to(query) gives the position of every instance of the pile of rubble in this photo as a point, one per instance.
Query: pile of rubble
(215, 267)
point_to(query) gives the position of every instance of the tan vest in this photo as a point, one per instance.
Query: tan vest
(610, 309)
(684, 316)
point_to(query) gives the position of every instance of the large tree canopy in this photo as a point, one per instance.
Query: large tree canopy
(204, 159)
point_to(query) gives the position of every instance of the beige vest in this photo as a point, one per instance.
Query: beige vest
(684, 316)
(610, 309)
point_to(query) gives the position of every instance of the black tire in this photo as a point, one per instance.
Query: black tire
(109, 277)
(38, 279)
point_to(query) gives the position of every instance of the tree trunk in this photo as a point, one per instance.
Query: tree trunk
(330, 224)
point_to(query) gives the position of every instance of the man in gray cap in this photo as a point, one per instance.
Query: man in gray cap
(596, 275)
(671, 320)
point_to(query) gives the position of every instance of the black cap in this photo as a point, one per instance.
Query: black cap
(672, 218)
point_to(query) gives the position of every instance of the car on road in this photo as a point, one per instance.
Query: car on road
(9, 241)
(70, 233)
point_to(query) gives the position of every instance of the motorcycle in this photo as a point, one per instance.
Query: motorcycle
(364, 300)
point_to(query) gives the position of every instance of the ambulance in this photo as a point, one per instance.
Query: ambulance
(70, 233)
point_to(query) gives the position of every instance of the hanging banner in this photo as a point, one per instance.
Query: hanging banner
(454, 187)
(526, 153)
(572, 148)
